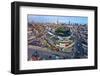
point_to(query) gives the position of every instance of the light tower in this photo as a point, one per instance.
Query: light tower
(69, 23)
(57, 22)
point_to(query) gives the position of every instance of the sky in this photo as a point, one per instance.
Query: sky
(60, 19)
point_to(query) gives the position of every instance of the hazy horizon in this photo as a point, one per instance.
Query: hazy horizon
(55, 19)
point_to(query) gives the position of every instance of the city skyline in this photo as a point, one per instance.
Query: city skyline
(60, 19)
(57, 37)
